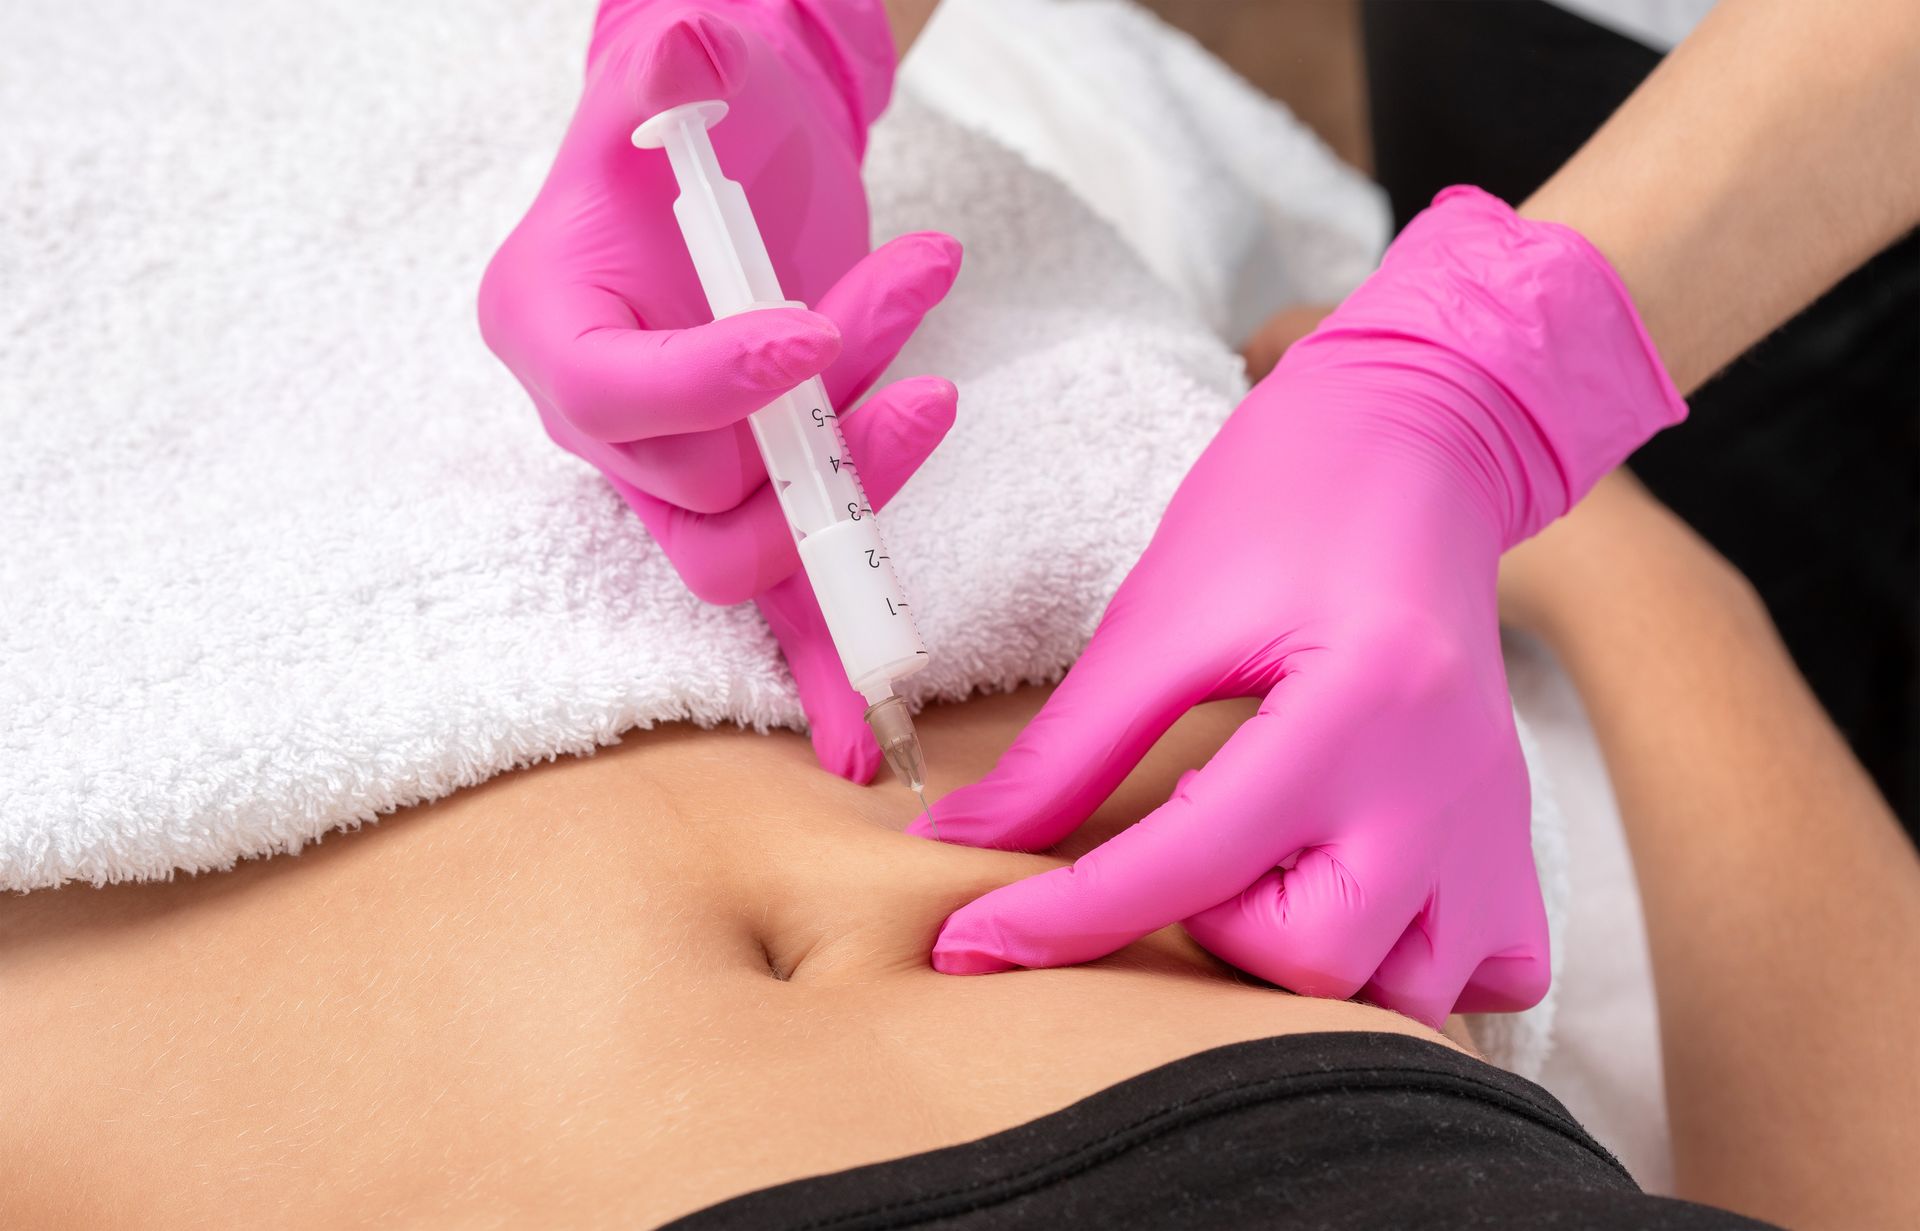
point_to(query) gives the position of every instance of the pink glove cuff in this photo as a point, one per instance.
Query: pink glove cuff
(1545, 335)
(849, 42)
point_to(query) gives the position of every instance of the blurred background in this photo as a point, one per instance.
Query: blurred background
(1306, 53)
(1800, 462)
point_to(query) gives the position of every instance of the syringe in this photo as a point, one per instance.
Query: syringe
(801, 442)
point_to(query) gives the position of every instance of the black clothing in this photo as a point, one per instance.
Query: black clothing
(1342, 1130)
(1801, 462)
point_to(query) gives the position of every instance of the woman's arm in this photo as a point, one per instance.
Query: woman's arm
(906, 18)
(1782, 900)
(1776, 149)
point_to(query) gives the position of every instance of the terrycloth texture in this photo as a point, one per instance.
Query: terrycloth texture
(1248, 213)
(284, 548)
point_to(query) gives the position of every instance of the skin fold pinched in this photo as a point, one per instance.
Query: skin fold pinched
(1334, 552)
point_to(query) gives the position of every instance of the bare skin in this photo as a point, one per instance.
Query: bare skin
(906, 19)
(606, 991)
(1769, 866)
(1776, 149)
(1270, 341)
(1773, 876)
(612, 990)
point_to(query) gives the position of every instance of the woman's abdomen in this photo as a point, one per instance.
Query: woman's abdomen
(611, 990)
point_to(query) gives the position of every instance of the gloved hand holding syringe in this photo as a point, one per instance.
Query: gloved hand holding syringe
(816, 480)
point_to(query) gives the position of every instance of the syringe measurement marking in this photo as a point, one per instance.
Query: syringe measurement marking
(827, 418)
(856, 510)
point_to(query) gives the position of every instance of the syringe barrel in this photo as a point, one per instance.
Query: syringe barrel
(838, 537)
(799, 435)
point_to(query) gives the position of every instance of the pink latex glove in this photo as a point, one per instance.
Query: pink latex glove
(594, 304)
(1334, 551)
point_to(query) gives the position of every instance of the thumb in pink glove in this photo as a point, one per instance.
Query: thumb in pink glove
(594, 304)
(1334, 552)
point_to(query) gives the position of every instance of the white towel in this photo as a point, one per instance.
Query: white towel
(1231, 201)
(284, 547)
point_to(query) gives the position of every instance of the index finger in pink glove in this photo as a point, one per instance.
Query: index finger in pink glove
(1334, 551)
(1100, 721)
(875, 308)
(735, 553)
(594, 304)
(732, 556)
(1285, 828)
(741, 553)
(893, 432)
(592, 301)
(560, 303)
(1299, 784)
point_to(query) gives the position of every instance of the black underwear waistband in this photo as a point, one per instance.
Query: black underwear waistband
(1337, 1130)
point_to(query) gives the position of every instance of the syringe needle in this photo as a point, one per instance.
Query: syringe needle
(933, 824)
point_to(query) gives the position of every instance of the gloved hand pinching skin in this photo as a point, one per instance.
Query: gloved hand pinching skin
(594, 305)
(1334, 551)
